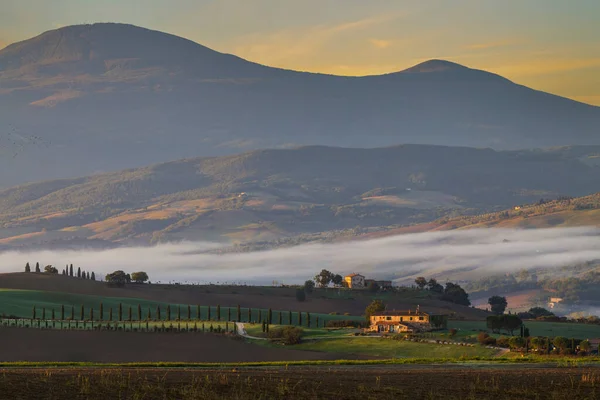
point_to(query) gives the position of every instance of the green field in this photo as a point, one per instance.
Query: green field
(256, 330)
(389, 348)
(536, 328)
(20, 303)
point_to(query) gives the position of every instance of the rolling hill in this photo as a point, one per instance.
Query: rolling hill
(269, 195)
(91, 98)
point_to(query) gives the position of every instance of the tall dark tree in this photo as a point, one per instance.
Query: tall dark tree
(87, 275)
(110, 316)
(79, 272)
(82, 274)
(308, 319)
(337, 279)
(63, 272)
(280, 318)
(228, 314)
(434, 286)
(270, 317)
(120, 312)
(53, 315)
(92, 313)
(290, 317)
(249, 314)
(34, 313)
(71, 270)
(323, 279)
(189, 316)
(37, 267)
(198, 312)
(421, 282)
(178, 313)
(62, 312)
(208, 310)
(168, 312)
(299, 318)
(456, 294)
(218, 312)
(93, 276)
(139, 312)
(129, 315)
(72, 312)
(44, 313)
(373, 308)
(498, 304)
(101, 312)
(239, 314)
(27, 268)
(149, 316)
(82, 313)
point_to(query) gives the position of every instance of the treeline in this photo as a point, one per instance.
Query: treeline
(558, 345)
(169, 313)
(68, 271)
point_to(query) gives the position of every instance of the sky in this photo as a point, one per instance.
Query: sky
(549, 45)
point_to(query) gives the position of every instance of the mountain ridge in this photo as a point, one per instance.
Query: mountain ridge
(107, 97)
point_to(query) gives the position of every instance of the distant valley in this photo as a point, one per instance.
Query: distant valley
(279, 197)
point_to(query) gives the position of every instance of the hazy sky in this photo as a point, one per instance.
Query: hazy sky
(551, 45)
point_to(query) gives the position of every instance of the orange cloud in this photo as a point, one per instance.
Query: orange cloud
(380, 44)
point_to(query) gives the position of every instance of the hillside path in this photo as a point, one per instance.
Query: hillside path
(242, 332)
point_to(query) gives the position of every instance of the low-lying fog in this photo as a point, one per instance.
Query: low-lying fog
(444, 255)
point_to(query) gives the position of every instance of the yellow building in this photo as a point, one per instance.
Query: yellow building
(406, 321)
(354, 281)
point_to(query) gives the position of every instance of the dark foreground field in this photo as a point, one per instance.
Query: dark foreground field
(398, 382)
(20, 344)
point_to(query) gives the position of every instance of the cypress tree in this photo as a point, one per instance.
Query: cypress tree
(101, 312)
(149, 316)
(44, 313)
(189, 318)
(71, 270)
(218, 312)
(79, 272)
(228, 314)
(178, 313)
(27, 268)
(92, 313)
(53, 317)
(62, 312)
(82, 274)
(158, 313)
(168, 312)
(308, 319)
(289, 318)
(299, 318)
(72, 312)
(67, 269)
(37, 267)
(129, 318)
(280, 320)
(110, 318)
(208, 318)
(263, 326)
(249, 314)
(63, 272)
(239, 314)
(139, 310)
(87, 275)
(260, 320)
(120, 312)
(34, 313)
(93, 276)
(317, 321)
(270, 317)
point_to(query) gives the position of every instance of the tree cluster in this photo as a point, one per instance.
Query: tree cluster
(453, 292)
(68, 271)
(120, 278)
(507, 322)
(325, 278)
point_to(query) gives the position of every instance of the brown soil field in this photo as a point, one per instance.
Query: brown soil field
(281, 298)
(392, 382)
(21, 344)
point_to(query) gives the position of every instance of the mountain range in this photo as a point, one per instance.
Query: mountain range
(271, 195)
(95, 98)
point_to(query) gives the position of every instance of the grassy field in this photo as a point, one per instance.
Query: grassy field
(256, 330)
(389, 348)
(20, 303)
(536, 328)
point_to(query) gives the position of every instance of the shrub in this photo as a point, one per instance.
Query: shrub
(288, 335)
(502, 342)
(342, 323)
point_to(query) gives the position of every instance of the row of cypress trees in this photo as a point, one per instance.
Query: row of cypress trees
(67, 271)
(131, 314)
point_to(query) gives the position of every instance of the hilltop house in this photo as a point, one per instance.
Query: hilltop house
(381, 284)
(355, 281)
(406, 322)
